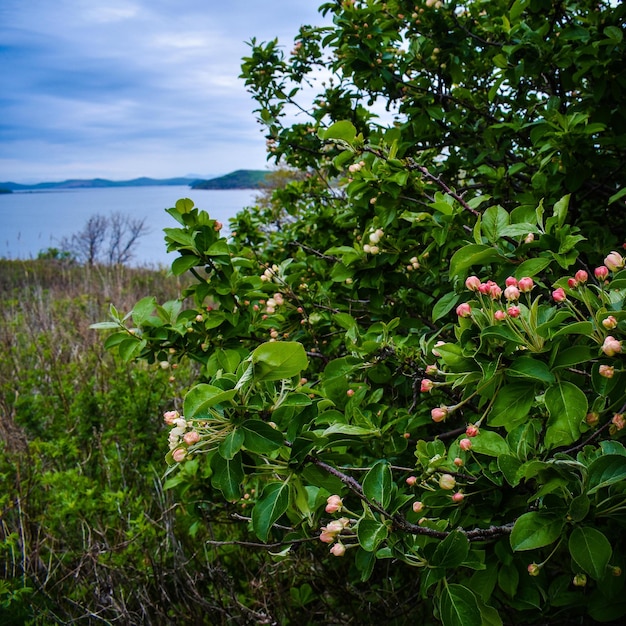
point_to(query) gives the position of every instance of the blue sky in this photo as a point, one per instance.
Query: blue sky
(125, 88)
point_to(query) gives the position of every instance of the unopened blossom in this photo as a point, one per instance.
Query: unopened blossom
(376, 236)
(494, 291)
(472, 430)
(534, 569)
(434, 350)
(572, 283)
(614, 261)
(608, 371)
(580, 580)
(327, 537)
(439, 413)
(559, 295)
(465, 444)
(447, 481)
(618, 421)
(601, 272)
(591, 419)
(511, 281)
(458, 462)
(191, 437)
(179, 455)
(338, 549)
(611, 346)
(529, 238)
(169, 417)
(458, 497)
(609, 322)
(411, 480)
(472, 283)
(499, 315)
(512, 293)
(418, 506)
(432, 369)
(426, 385)
(464, 310)
(525, 284)
(514, 311)
(333, 504)
(581, 276)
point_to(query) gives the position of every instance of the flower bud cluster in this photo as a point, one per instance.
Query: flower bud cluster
(272, 303)
(181, 436)
(270, 274)
(356, 167)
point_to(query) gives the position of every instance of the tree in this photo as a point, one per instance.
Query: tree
(422, 366)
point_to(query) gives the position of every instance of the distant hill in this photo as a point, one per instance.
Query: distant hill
(240, 179)
(5, 190)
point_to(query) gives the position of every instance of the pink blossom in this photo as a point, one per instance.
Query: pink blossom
(608, 371)
(191, 437)
(511, 281)
(333, 504)
(169, 417)
(499, 315)
(472, 430)
(614, 261)
(572, 283)
(426, 385)
(525, 284)
(418, 506)
(447, 481)
(514, 311)
(512, 293)
(338, 549)
(432, 369)
(534, 569)
(601, 272)
(558, 295)
(465, 444)
(581, 276)
(472, 283)
(458, 462)
(411, 480)
(458, 497)
(327, 537)
(179, 455)
(609, 322)
(464, 310)
(618, 421)
(494, 291)
(611, 346)
(439, 413)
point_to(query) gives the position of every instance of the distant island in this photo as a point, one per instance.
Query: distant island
(240, 179)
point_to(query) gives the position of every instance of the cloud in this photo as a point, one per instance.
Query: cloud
(121, 88)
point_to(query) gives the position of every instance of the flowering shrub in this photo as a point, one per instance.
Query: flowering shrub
(407, 370)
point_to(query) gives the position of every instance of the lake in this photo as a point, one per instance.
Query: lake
(35, 221)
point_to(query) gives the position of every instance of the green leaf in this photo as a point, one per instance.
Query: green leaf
(377, 483)
(473, 254)
(342, 130)
(606, 470)
(512, 404)
(494, 220)
(371, 533)
(270, 506)
(591, 551)
(351, 430)
(490, 443)
(529, 367)
(452, 551)
(532, 267)
(184, 263)
(144, 310)
(445, 305)
(458, 606)
(276, 360)
(227, 476)
(260, 437)
(535, 530)
(231, 444)
(203, 396)
(567, 406)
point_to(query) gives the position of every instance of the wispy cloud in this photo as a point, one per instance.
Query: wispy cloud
(125, 88)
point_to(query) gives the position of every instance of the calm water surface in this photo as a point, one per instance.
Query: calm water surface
(35, 221)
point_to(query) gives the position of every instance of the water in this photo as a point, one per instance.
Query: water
(34, 221)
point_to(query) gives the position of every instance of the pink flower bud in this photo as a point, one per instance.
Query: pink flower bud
(465, 444)
(426, 385)
(512, 293)
(338, 549)
(464, 310)
(484, 288)
(432, 369)
(514, 311)
(608, 371)
(418, 506)
(472, 283)
(558, 295)
(592, 419)
(327, 537)
(525, 284)
(611, 346)
(614, 261)
(472, 430)
(581, 276)
(601, 272)
(350, 393)
(529, 238)
(534, 569)
(618, 421)
(572, 283)
(494, 291)
(191, 437)
(609, 322)
(447, 481)
(169, 417)
(499, 315)
(511, 281)
(458, 462)
(179, 455)
(435, 351)
(439, 413)
(458, 497)
(333, 504)
(411, 480)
